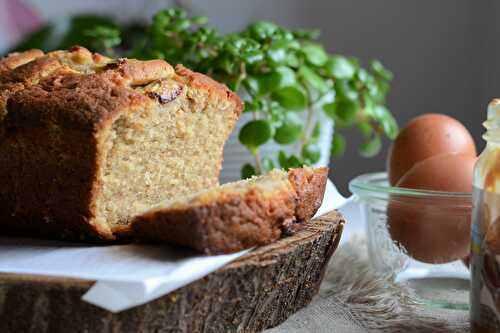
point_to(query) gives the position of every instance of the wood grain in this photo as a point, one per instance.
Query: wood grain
(256, 292)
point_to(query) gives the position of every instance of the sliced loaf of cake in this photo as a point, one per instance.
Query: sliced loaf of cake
(237, 215)
(87, 141)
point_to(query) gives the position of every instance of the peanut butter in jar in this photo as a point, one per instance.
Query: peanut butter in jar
(485, 252)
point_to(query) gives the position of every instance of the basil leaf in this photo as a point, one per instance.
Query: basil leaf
(313, 79)
(287, 76)
(295, 162)
(338, 145)
(291, 98)
(329, 109)
(345, 89)
(371, 147)
(343, 111)
(365, 129)
(277, 52)
(381, 71)
(247, 171)
(283, 160)
(261, 30)
(254, 134)
(267, 164)
(316, 132)
(290, 130)
(263, 84)
(311, 153)
(315, 54)
(346, 111)
(382, 115)
(340, 68)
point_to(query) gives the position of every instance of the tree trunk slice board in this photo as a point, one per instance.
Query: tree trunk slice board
(258, 291)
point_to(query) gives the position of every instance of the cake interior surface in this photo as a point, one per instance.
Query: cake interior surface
(161, 153)
(268, 185)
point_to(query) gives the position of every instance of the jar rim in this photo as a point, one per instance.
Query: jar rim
(376, 183)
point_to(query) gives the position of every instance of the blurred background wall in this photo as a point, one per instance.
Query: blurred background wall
(444, 54)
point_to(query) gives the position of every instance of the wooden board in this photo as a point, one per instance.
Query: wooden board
(258, 291)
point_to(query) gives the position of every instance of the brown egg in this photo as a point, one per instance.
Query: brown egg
(434, 229)
(424, 137)
(430, 230)
(446, 172)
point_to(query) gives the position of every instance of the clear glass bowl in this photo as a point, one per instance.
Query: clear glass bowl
(422, 237)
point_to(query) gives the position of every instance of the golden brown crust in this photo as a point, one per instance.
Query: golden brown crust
(138, 72)
(309, 184)
(49, 197)
(20, 70)
(78, 55)
(54, 113)
(204, 82)
(17, 59)
(235, 221)
(230, 224)
(32, 67)
(8, 85)
(72, 101)
(31, 73)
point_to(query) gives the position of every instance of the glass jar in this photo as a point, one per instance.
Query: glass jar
(485, 252)
(419, 237)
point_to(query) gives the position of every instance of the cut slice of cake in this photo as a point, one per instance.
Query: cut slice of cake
(238, 215)
(87, 141)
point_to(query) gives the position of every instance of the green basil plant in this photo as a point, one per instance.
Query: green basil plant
(285, 78)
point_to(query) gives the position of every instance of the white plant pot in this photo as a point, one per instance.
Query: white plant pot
(236, 155)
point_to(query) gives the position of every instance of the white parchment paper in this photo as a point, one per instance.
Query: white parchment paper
(125, 275)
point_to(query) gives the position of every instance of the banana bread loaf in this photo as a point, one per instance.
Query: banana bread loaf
(237, 215)
(86, 141)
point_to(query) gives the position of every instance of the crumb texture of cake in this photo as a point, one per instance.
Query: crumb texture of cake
(237, 215)
(86, 142)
